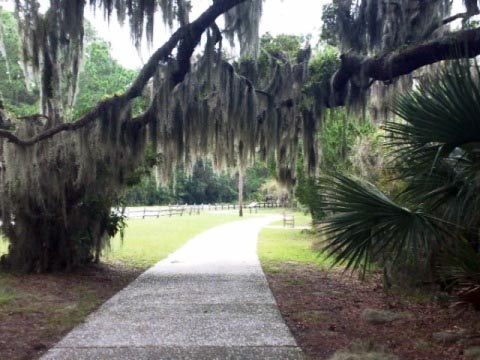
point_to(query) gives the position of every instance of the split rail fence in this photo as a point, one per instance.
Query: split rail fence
(180, 210)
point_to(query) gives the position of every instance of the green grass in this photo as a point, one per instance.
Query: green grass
(276, 246)
(3, 245)
(150, 240)
(7, 295)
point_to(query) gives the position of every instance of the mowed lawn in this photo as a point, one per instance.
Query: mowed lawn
(149, 240)
(3, 245)
(277, 246)
(36, 310)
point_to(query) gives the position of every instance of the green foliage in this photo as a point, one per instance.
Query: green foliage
(337, 138)
(290, 44)
(307, 191)
(367, 226)
(437, 145)
(19, 99)
(147, 192)
(435, 148)
(101, 77)
(116, 224)
(203, 186)
(284, 47)
(256, 176)
(321, 68)
(330, 30)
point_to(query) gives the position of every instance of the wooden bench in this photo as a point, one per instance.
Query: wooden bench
(288, 219)
(253, 207)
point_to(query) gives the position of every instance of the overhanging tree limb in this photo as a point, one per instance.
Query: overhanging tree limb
(186, 38)
(462, 44)
(386, 67)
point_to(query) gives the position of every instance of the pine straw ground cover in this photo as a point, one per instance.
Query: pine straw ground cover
(38, 310)
(323, 307)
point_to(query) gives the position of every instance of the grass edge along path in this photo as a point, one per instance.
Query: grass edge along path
(150, 240)
(278, 246)
(323, 307)
(37, 310)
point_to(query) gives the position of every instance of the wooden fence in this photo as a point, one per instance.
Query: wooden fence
(180, 210)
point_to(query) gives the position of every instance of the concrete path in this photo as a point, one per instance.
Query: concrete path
(208, 300)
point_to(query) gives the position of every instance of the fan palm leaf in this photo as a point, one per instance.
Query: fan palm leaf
(366, 224)
(437, 143)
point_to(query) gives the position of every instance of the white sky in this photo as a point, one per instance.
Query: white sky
(300, 17)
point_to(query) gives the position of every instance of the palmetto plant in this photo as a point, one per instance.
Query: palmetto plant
(436, 150)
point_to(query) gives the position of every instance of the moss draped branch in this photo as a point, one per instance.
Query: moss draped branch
(186, 38)
(462, 44)
(385, 67)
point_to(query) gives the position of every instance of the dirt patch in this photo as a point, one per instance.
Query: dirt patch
(44, 308)
(323, 310)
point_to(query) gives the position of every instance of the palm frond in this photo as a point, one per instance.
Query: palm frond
(441, 115)
(366, 224)
(437, 143)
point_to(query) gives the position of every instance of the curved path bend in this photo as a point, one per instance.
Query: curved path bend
(208, 300)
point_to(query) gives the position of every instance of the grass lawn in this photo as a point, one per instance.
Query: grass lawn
(37, 310)
(3, 246)
(277, 246)
(149, 240)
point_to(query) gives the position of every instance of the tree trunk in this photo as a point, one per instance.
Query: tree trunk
(55, 238)
(240, 192)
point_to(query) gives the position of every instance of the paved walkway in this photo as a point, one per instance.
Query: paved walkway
(208, 300)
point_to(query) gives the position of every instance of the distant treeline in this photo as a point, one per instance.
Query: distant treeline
(204, 186)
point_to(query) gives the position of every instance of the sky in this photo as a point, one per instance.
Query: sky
(299, 17)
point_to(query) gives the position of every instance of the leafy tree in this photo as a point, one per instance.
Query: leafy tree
(17, 97)
(101, 77)
(321, 69)
(255, 177)
(203, 186)
(307, 192)
(147, 192)
(330, 30)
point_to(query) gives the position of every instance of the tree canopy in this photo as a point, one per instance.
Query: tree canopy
(60, 175)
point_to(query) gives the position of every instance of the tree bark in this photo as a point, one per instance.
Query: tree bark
(240, 192)
(462, 44)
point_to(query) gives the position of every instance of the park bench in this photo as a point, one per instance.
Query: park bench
(253, 207)
(288, 219)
